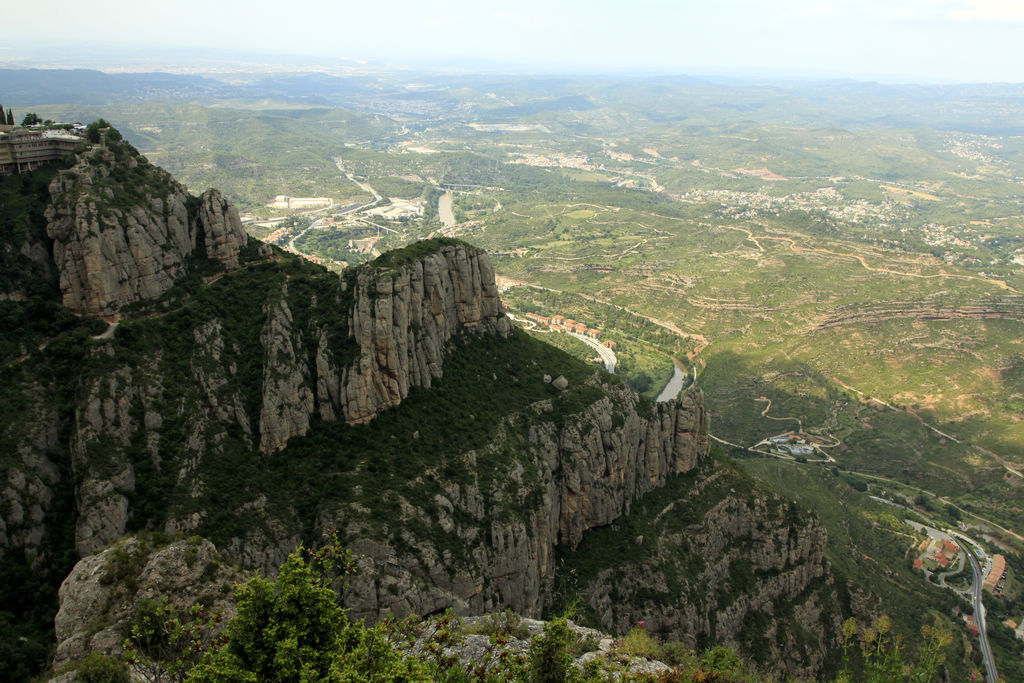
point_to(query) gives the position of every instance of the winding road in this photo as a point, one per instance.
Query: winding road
(607, 355)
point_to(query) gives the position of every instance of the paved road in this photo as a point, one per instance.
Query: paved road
(291, 242)
(966, 542)
(961, 562)
(607, 355)
(979, 618)
(362, 186)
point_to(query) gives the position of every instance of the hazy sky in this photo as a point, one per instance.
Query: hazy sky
(889, 40)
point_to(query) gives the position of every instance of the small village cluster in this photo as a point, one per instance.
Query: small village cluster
(560, 323)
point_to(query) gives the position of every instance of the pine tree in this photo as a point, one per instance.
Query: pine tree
(3, 116)
(10, 117)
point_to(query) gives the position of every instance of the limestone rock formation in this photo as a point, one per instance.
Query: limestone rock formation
(472, 645)
(122, 230)
(403, 321)
(221, 229)
(571, 474)
(589, 472)
(742, 573)
(187, 421)
(287, 397)
(100, 597)
(28, 489)
(105, 427)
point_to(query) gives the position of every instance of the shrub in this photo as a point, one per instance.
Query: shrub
(638, 643)
(293, 629)
(550, 660)
(507, 623)
(584, 644)
(676, 653)
(102, 669)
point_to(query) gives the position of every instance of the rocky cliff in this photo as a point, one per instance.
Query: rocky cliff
(458, 499)
(403, 319)
(492, 535)
(715, 560)
(122, 229)
(400, 322)
(587, 466)
(102, 596)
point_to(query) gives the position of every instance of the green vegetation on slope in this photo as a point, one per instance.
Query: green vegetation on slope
(868, 548)
(25, 262)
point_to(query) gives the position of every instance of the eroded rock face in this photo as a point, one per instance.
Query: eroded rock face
(100, 597)
(581, 475)
(403, 321)
(587, 471)
(221, 229)
(105, 426)
(28, 486)
(287, 397)
(745, 573)
(122, 231)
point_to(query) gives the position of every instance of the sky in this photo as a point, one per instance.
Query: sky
(885, 40)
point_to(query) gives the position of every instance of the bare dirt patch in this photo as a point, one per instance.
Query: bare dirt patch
(906, 192)
(762, 173)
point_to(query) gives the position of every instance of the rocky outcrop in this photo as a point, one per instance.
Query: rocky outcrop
(605, 467)
(587, 472)
(32, 473)
(469, 641)
(159, 425)
(403, 321)
(724, 564)
(100, 598)
(568, 475)
(105, 425)
(287, 398)
(122, 230)
(189, 421)
(221, 229)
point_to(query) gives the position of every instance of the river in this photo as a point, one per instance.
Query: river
(444, 210)
(674, 386)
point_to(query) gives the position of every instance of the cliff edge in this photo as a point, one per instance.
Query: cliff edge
(124, 230)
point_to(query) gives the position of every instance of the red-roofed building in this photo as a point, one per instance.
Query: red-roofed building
(994, 580)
